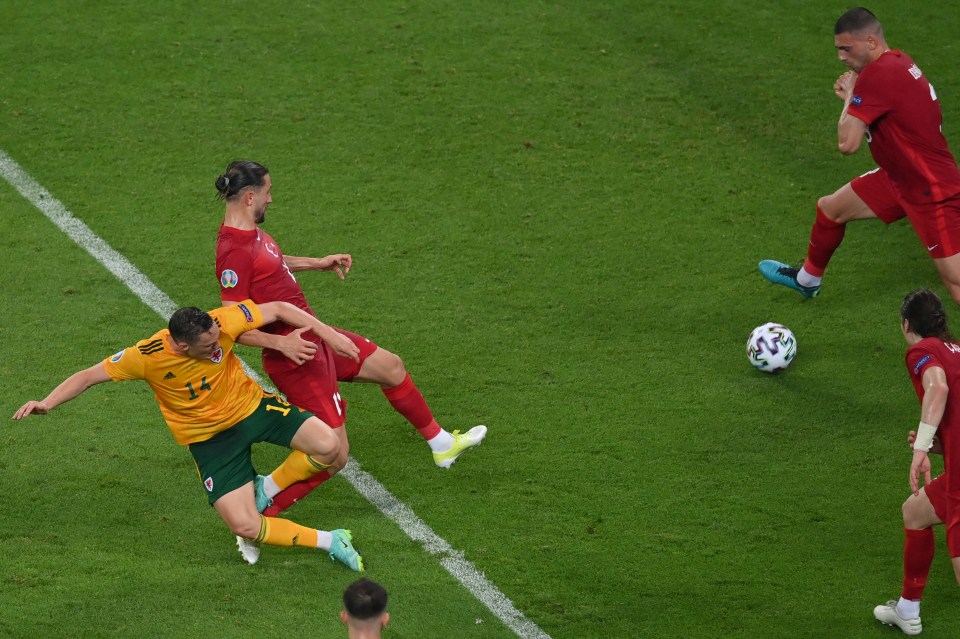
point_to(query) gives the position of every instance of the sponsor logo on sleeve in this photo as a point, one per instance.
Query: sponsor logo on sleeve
(116, 358)
(919, 365)
(246, 312)
(228, 279)
(856, 101)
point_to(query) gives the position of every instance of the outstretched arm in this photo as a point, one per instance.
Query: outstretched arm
(67, 390)
(292, 345)
(341, 263)
(286, 312)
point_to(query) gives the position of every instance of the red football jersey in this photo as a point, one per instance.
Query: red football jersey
(250, 266)
(902, 113)
(928, 352)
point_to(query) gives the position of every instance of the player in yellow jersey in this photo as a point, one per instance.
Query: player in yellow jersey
(212, 406)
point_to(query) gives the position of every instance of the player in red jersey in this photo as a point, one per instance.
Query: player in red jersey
(933, 361)
(250, 264)
(888, 101)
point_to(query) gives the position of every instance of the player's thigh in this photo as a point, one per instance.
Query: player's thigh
(949, 271)
(349, 370)
(920, 511)
(864, 198)
(382, 367)
(316, 438)
(238, 506)
(238, 510)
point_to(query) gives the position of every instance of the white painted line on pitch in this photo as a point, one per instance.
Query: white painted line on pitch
(451, 559)
(365, 483)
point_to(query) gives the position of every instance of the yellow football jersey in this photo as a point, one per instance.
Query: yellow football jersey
(198, 398)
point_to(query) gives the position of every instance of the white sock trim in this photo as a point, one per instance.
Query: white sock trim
(908, 609)
(805, 279)
(270, 486)
(324, 540)
(442, 442)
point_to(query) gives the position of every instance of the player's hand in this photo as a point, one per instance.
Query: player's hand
(343, 345)
(340, 263)
(31, 408)
(920, 465)
(843, 87)
(297, 349)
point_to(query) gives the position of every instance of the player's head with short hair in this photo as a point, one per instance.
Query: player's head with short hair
(187, 324)
(194, 332)
(922, 313)
(240, 175)
(858, 37)
(365, 605)
(858, 21)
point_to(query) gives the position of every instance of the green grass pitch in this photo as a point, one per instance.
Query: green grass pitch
(555, 210)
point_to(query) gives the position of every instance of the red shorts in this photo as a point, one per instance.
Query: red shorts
(347, 369)
(947, 506)
(937, 224)
(313, 385)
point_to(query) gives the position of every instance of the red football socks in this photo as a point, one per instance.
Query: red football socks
(825, 237)
(407, 400)
(291, 495)
(918, 550)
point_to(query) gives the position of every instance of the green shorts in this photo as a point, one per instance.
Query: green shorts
(224, 461)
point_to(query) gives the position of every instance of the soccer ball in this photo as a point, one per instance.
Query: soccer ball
(771, 347)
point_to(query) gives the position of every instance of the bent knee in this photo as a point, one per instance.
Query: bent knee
(343, 451)
(339, 463)
(906, 510)
(393, 370)
(326, 447)
(831, 207)
(248, 527)
(317, 439)
(918, 512)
